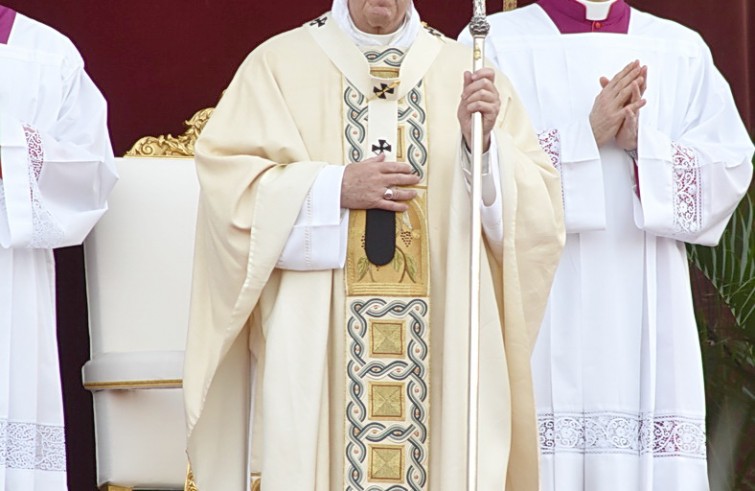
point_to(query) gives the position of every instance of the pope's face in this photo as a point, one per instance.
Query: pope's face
(378, 16)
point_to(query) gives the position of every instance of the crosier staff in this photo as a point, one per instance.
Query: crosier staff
(479, 28)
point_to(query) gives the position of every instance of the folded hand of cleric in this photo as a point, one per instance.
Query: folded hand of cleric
(616, 111)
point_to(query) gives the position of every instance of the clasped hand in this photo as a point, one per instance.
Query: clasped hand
(616, 111)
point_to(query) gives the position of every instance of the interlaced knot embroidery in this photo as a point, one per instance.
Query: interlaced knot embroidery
(688, 207)
(31, 446)
(592, 433)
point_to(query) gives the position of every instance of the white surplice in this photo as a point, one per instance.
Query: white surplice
(57, 169)
(617, 366)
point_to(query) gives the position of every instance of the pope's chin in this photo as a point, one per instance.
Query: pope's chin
(380, 19)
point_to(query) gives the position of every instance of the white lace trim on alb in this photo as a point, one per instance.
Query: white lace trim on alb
(609, 432)
(550, 142)
(29, 446)
(688, 206)
(46, 233)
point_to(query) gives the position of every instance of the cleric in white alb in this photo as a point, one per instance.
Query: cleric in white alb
(56, 170)
(652, 154)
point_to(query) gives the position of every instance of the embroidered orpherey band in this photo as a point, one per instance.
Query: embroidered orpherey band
(387, 304)
(615, 432)
(688, 206)
(388, 310)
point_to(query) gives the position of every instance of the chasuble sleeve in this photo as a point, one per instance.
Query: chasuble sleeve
(251, 163)
(56, 179)
(532, 196)
(254, 172)
(692, 177)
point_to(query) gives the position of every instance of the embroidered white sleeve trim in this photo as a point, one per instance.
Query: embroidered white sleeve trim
(3, 207)
(550, 142)
(688, 217)
(36, 152)
(46, 233)
(609, 432)
(31, 446)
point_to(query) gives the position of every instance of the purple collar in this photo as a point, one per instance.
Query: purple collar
(7, 16)
(569, 17)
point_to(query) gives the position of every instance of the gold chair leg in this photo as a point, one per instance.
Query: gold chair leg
(189, 485)
(255, 483)
(114, 487)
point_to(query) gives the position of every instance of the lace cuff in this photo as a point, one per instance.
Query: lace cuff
(550, 142)
(688, 206)
(46, 233)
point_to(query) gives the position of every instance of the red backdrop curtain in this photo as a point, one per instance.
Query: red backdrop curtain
(158, 62)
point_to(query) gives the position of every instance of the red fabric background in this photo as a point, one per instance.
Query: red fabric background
(158, 62)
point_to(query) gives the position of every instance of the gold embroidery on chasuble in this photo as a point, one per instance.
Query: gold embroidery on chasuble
(387, 318)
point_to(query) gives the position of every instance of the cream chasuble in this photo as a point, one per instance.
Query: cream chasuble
(356, 378)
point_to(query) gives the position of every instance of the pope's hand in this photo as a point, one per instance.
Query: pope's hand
(479, 95)
(616, 103)
(375, 183)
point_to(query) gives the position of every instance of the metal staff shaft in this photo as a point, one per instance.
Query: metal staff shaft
(479, 28)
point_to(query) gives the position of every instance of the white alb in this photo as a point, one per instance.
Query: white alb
(617, 365)
(57, 170)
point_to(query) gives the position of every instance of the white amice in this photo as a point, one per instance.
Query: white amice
(617, 366)
(57, 170)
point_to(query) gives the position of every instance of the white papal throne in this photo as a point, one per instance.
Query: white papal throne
(138, 267)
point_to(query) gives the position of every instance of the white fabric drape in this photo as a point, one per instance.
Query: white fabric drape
(57, 171)
(617, 366)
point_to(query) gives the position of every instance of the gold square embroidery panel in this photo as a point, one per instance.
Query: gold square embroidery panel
(387, 339)
(386, 463)
(387, 401)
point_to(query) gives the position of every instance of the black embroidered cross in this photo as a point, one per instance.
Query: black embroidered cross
(384, 89)
(432, 30)
(383, 146)
(319, 22)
